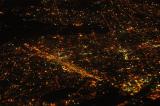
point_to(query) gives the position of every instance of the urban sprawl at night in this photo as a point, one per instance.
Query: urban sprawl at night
(79, 52)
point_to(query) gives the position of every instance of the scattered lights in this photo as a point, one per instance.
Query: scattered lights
(67, 66)
(130, 29)
(124, 52)
(155, 94)
(134, 85)
(89, 63)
